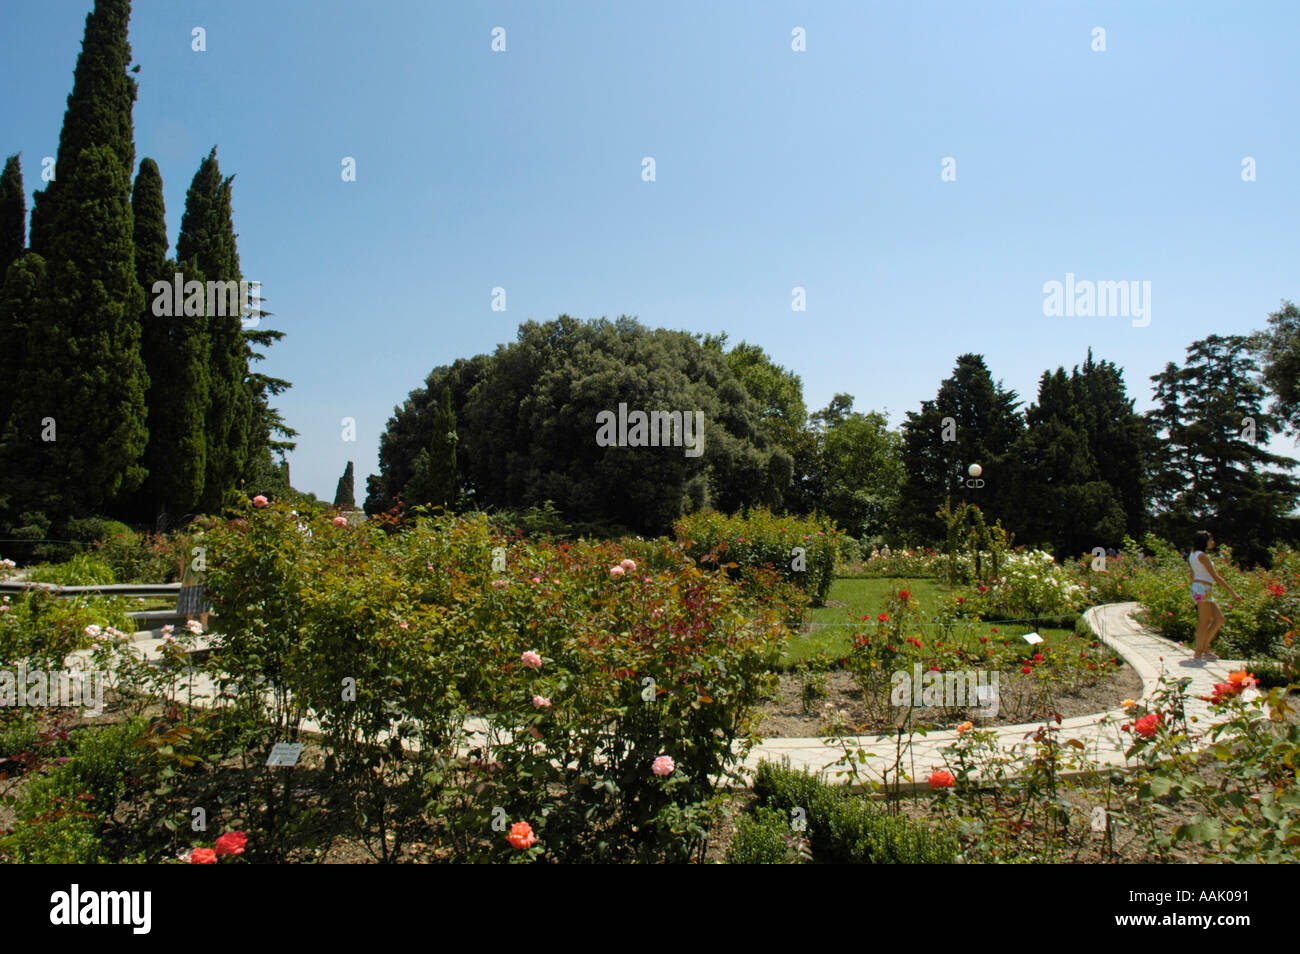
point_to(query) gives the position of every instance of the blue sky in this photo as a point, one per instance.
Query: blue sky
(774, 169)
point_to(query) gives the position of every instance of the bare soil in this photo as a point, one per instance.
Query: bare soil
(1021, 699)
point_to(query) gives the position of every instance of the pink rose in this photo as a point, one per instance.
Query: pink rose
(615, 572)
(203, 856)
(497, 584)
(531, 659)
(541, 702)
(340, 521)
(628, 565)
(537, 579)
(404, 624)
(664, 765)
(260, 501)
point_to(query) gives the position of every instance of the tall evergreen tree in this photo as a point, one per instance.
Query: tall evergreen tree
(207, 245)
(1063, 503)
(13, 214)
(345, 494)
(984, 425)
(98, 114)
(269, 435)
(15, 302)
(175, 351)
(76, 418)
(1214, 472)
(82, 373)
(1117, 435)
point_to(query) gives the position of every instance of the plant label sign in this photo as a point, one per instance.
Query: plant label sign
(284, 753)
(1033, 638)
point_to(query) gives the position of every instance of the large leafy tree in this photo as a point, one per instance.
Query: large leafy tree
(527, 422)
(984, 425)
(783, 417)
(858, 468)
(1212, 469)
(433, 480)
(1278, 351)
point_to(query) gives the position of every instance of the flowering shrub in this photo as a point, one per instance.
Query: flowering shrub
(760, 539)
(914, 564)
(41, 626)
(141, 558)
(1030, 584)
(605, 707)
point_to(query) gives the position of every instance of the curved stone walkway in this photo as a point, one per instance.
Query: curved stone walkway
(1147, 653)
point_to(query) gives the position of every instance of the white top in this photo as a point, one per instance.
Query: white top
(1199, 573)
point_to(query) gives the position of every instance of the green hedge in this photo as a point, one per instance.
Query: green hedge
(844, 828)
(760, 839)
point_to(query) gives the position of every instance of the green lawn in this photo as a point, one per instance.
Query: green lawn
(831, 628)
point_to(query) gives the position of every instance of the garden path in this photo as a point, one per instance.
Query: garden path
(1147, 653)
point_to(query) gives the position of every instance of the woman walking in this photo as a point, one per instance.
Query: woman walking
(1204, 576)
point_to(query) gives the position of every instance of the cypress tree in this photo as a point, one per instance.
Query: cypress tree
(207, 244)
(1062, 500)
(1216, 475)
(345, 494)
(82, 367)
(13, 303)
(98, 114)
(985, 424)
(13, 214)
(175, 351)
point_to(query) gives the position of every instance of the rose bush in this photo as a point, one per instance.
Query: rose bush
(760, 539)
(423, 666)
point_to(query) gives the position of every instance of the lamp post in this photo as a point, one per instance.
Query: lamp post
(974, 483)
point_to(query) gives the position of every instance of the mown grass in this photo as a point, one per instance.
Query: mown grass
(830, 629)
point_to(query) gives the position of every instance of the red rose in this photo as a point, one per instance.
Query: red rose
(941, 779)
(1026, 670)
(232, 843)
(203, 856)
(521, 835)
(1038, 657)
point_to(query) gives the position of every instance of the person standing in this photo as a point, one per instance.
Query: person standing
(190, 602)
(1204, 577)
